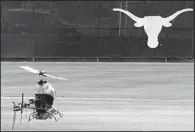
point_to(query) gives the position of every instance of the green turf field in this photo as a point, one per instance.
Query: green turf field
(106, 96)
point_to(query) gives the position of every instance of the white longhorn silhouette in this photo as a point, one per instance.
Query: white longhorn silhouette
(152, 24)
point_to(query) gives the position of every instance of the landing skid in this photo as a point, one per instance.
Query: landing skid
(51, 113)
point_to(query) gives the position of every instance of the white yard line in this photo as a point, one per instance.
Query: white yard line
(100, 113)
(105, 98)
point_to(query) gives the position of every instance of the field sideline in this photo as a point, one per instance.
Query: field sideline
(106, 95)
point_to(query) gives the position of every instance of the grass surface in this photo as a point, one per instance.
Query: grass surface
(106, 96)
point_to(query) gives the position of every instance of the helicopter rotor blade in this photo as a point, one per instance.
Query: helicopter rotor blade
(14, 115)
(30, 69)
(22, 105)
(56, 77)
(42, 72)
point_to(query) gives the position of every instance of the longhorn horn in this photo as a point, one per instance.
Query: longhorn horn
(132, 16)
(173, 16)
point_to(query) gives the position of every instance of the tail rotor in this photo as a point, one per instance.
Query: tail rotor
(17, 108)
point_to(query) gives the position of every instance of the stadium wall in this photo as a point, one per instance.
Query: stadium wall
(99, 26)
(93, 47)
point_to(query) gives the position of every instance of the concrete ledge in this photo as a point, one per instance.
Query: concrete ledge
(102, 59)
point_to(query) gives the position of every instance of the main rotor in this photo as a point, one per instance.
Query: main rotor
(41, 73)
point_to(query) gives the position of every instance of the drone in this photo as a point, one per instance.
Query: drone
(41, 105)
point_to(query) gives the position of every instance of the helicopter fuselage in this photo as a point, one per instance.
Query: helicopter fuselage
(44, 88)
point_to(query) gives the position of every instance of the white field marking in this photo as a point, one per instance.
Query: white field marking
(119, 63)
(105, 98)
(122, 113)
(167, 106)
(79, 113)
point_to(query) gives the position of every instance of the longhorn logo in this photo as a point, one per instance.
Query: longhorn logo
(152, 24)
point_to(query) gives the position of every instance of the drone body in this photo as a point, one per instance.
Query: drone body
(44, 87)
(43, 101)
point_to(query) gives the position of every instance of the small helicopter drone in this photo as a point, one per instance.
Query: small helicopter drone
(43, 101)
